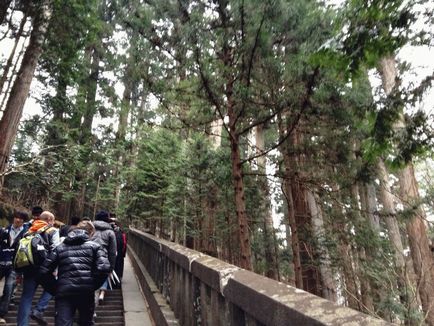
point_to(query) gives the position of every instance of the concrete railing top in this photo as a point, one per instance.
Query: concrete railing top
(268, 301)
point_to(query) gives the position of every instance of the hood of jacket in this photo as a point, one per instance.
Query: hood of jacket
(76, 236)
(37, 224)
(101, 225)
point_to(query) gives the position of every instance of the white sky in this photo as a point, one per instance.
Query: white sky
(420, 59)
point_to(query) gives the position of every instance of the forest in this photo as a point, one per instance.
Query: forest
(278, 135)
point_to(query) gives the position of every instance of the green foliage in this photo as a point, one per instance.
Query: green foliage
(294, 67)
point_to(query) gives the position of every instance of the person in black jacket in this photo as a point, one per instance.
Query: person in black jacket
(9, 238)
(82, 268)
(105, 236)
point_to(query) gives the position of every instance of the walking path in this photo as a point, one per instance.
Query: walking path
(135, 307)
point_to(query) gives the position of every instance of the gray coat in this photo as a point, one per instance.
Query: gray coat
(105, 236)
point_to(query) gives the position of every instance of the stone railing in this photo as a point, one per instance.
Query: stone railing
(186, 287)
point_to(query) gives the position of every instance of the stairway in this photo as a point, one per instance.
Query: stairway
(110, 313)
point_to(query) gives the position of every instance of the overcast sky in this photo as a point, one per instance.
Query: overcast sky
(421, 59)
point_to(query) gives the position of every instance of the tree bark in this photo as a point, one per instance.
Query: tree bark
(363, 251)
(404, 270)
(122, 129)
(329, 291)
(240, 205)
(14, 107)
(90, 96)
(418, 240)
(8, 64)
(4, 6)
(288, 166)
(416, 228)
(272, 270)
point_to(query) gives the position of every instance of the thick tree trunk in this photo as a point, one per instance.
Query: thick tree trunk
(416, 228)
(13, 73)
(328, 282)
(237, 178)
(363, 253)
(121, 132)
(216, 133)
(272, 270)
(404, 270)
(295, 242)
(208, 231)
(10, 60)
(90, 89)
(14, 107)
(344, 251)
(291, 278)
(351, 289)
(4, 6)
(418, 240)
(288, 166)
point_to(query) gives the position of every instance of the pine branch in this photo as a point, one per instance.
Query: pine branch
(19, 167)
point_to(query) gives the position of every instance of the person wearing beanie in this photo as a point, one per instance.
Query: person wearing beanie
(105, 236)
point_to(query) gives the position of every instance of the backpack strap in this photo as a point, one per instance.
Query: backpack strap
(41, 230)
(45, 228)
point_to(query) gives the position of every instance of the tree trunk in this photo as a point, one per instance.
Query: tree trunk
(344, 251)
(240, 205)
(121, 132)
(288, 239)
(271, 269)
(416, 228)
(216, 133)
(287, 192)
(4, 6)
(14, 107)
(404, 271)
(8, 64)
(328, 282)
(363, 252)
(90, 97)
(418, 240)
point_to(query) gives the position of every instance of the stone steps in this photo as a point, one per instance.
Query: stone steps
(110, 313)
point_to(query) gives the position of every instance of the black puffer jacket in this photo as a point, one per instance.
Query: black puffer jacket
(83, 265)
(105, 236)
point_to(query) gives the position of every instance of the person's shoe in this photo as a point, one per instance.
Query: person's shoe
(38, 317)
(2, 321)
(101, 298)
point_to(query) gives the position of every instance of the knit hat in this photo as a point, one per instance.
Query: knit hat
(102, 216)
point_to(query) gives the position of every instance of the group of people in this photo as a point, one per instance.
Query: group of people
(80, 262)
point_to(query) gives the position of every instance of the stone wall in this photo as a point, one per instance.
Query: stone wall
(186, 287)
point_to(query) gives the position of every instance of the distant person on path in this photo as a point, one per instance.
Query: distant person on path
(65, 229)
(82, 267)
(121, 248)
(9, 238)
(36, 212)
(51, 238)
(105, 236)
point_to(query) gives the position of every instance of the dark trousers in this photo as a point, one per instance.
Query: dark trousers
(66, 307)
(8, 273)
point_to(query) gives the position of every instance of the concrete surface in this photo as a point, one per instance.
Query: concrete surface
(135, 306)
